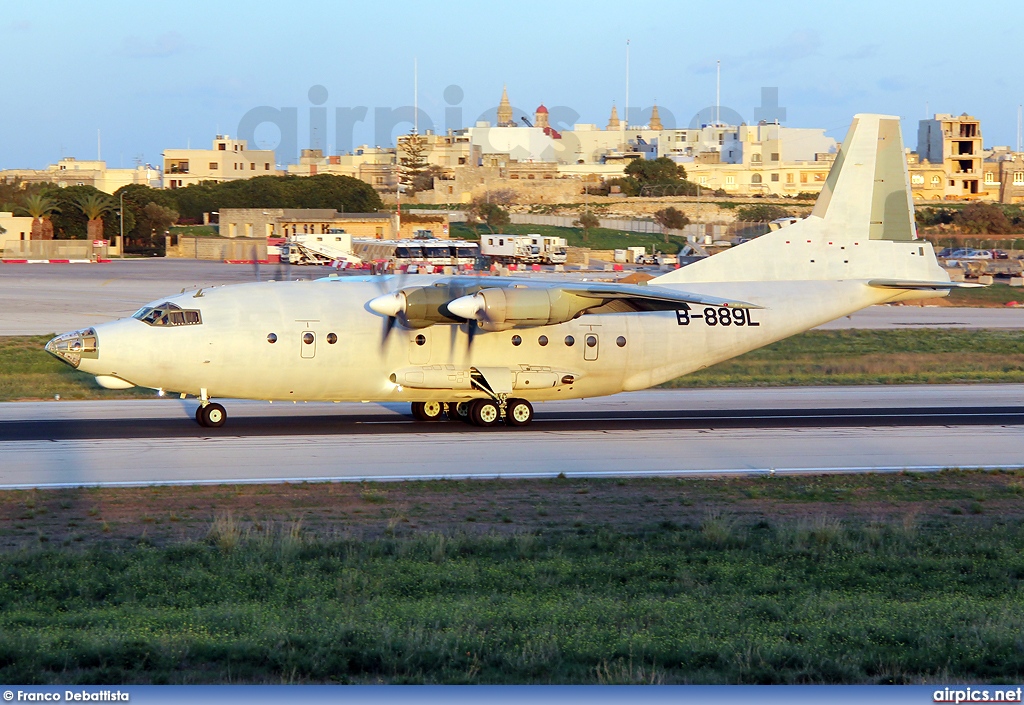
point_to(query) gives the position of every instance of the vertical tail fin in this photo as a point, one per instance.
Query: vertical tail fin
(861, 227)
(867, 192)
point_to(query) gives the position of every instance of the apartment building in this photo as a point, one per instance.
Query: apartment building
(228, 160)
(954, 141)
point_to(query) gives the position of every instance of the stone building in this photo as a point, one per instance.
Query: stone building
(1007, 170)
(372, 165)
(86, 172)
(282, 222)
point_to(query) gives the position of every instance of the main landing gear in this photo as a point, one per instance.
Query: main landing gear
(485, 413)
(211, 415)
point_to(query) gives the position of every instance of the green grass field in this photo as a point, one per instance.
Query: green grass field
(29, 372)
(924, 356)
(725, 598)
(993, 295)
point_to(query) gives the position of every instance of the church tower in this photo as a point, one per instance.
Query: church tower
(655, 123)
(613, 121)
(540, 116)
(505, 110)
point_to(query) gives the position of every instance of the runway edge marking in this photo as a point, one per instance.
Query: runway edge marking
(732, 472)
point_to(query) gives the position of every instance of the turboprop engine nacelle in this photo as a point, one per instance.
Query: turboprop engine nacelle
(500, 309)
(420, 306)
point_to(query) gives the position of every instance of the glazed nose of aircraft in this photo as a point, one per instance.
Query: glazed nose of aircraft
(72, 347)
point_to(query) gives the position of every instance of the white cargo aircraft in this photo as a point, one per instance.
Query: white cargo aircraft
(484, 348)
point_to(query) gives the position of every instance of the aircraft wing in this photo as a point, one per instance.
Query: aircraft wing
(633, 292)
(905, 284)
(497, 304)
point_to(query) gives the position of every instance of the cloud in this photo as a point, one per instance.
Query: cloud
(894, 83)
(798, 45)
(866, 51)
(166, 44)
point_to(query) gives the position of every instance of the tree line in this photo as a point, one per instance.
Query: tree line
(84, 212)
(974, 218)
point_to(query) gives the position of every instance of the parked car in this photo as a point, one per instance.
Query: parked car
(969, 253)
(1000, 254)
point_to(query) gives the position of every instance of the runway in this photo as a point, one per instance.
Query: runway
(41, 299)
(678, 432)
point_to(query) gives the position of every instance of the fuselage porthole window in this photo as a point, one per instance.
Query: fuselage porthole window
(308, 338)
(516, 340)
(332, 338)
(421, 339)
(591, 341)
(272, 338)
(570, 341)
(620, 341)
(542, 341)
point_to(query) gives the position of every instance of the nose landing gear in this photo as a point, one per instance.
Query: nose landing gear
(211, 415)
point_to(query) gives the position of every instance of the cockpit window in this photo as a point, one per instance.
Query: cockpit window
(168, 314)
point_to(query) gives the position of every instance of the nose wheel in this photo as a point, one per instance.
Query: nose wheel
(211, 416)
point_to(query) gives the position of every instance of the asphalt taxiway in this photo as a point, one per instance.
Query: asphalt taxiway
(40, 299)
(677, 432)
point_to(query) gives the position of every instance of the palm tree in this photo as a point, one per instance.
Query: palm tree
(94, 205)
(40, 206)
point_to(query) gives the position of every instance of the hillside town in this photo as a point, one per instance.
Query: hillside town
(648, 178)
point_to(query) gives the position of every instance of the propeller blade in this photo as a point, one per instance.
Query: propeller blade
(389, 324)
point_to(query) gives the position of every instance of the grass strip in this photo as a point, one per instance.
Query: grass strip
(719, 600)
(918, 356)
(29, 372)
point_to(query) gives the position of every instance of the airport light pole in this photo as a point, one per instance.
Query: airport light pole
(120, 213)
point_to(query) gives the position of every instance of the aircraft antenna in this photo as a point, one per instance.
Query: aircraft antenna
(415, 96)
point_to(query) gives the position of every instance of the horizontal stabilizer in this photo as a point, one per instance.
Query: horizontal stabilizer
(898, 284)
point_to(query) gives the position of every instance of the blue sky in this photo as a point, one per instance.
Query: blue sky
(152, 76)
